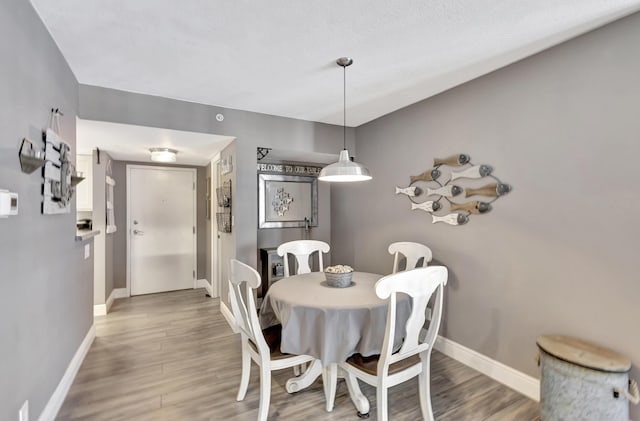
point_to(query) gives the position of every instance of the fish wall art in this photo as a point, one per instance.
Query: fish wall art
(428, 175)
(429, 206)
(447, 198)
(453, 161)
(451, 219)
(409, 191)
(477, 171)
(449, 191)
(493, 190)
(472, 207)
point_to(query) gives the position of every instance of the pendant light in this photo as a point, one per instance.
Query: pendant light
(345, 170)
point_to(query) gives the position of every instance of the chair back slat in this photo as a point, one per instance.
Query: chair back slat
(436, 317)
(419, 284)
(414, 324)
(243, 279)
(412, 253)
(240, 311)
(302, 250)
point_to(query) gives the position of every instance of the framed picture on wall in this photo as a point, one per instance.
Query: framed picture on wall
(287, 201)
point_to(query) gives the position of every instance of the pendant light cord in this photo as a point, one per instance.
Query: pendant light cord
(344, 107)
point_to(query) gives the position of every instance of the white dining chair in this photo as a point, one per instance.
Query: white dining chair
(261, 346)
(302, 250)
(412, 253)
(413, 359)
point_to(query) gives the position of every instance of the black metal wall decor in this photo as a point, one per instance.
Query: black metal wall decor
(59, 173)
(448, 198)
(262, 153)
(223, 196)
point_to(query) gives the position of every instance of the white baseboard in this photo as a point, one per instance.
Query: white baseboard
(109, 302)
(57, 398)
(516, 380)
(228, 315)
(120, 293)
(99, 310)
(103, 309)
(203, 283)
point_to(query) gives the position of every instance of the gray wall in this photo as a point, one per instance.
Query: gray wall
(46, 286)
(104, 273)
(120, 236)
(250, 129)
(559, 253)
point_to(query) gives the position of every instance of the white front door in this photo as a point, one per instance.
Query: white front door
(161, 223)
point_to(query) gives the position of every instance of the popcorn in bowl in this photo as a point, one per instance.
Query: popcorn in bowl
(338, 276)
(339, 269)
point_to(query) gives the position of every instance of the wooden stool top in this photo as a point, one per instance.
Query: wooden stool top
(583, 353)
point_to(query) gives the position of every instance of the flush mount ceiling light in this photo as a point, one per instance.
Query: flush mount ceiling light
(345, 170)
(163, 154)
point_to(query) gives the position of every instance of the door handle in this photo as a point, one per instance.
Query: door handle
(138, 232)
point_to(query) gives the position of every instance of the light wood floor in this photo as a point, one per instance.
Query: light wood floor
(172, 357)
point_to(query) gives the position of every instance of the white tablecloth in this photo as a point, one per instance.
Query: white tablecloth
(328, 323)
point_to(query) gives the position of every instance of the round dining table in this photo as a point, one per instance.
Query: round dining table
(330, 324)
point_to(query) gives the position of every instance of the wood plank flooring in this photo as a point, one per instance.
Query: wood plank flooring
(172, 356)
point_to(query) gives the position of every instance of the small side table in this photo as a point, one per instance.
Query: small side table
(272, 268)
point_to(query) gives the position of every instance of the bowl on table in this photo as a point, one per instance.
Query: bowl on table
(338, 276)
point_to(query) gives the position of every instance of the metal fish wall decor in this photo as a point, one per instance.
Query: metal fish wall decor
(409, 191)
(449, 191)
(428, 175)
(429, 206)
(491, 190)
(454, 212)
(451, 219)
(477, 171)
(471, 207)
(453, 161)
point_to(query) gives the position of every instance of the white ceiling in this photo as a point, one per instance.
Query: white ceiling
(125, 142)
(279, 57)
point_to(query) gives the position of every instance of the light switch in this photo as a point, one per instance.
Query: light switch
(87, 251)
(8, 203)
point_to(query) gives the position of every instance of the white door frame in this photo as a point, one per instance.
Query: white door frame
(195, 215)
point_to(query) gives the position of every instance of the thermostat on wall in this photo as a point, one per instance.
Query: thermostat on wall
(8, 203)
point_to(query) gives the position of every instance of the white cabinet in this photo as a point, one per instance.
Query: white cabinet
(84, 190)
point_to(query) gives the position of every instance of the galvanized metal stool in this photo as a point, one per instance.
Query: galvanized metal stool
(582, 381)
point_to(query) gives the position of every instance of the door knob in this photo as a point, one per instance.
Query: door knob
(138, 232)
